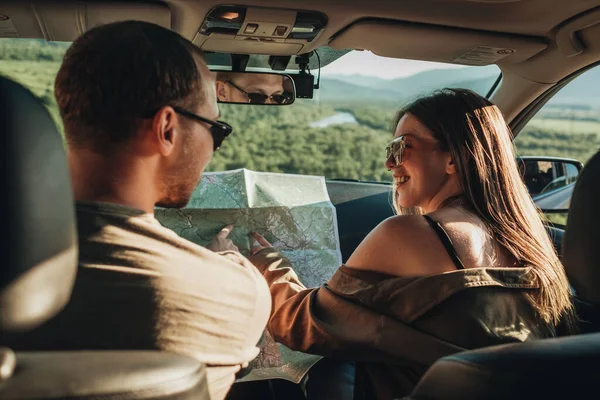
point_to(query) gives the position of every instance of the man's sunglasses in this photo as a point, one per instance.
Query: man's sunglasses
(219, 130)
(261, 98)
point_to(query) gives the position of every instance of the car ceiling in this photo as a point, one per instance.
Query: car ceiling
(552, 38)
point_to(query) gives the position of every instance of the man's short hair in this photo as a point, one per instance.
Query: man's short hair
(115, 74)
(224, 76)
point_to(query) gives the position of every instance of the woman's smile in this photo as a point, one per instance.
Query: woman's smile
(401, 179)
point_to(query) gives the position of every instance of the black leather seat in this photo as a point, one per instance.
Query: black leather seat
(557, 236)
(39, 265)
(581, 245)
(562, 368)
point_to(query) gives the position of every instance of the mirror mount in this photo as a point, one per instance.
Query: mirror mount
(239, 62)
(303, 61)
(279, 63)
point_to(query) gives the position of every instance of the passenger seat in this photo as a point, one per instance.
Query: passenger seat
(562, 368)
(39, 253)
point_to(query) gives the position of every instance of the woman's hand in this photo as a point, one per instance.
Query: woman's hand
(221, 243)
(261, 242)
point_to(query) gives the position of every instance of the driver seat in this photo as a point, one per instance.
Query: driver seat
(38, 270)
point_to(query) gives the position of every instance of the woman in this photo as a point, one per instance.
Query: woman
(470, 266)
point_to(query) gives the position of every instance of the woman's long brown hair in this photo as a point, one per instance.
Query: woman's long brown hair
(475, 133)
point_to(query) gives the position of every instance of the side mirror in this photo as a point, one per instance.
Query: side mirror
(550, 180)
(255, 88)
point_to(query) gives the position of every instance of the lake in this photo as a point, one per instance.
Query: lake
(336, 119)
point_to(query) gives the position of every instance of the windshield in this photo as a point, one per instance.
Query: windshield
(341, 133)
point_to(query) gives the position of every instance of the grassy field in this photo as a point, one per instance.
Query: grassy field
(569, 126)
(575, 139)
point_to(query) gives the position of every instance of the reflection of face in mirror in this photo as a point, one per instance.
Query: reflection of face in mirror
(253, 88)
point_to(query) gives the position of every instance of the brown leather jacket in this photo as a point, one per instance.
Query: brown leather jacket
(395, 328)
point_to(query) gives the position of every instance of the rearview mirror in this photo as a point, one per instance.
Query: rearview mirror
(549, 179)
(255, 88)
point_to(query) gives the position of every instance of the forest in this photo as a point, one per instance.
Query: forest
(285, 139)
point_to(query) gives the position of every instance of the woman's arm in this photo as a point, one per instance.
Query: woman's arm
(327, 321)
(318, 320)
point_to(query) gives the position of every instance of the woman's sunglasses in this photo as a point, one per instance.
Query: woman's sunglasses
(261, 98)
(396, 149)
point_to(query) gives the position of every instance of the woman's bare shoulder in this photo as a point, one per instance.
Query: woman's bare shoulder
(390, 247)
(400, 228)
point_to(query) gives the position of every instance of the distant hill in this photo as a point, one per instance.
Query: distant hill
(335, 90)
(427, 81)
(370, 82)
(358, 87)
(581, 92)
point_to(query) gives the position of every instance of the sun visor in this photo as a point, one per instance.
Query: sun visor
(437, 43)
(65, 21)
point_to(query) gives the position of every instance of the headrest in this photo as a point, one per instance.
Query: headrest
(564, 368)
(582, 236)
(39, 242)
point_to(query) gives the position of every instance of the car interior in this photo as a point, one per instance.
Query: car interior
(539, 47)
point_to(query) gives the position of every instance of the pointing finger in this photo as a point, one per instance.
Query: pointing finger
(225, 232)
(261, 240)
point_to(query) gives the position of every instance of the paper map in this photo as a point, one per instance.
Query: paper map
(293, 212)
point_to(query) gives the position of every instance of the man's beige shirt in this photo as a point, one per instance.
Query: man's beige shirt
(141, 286)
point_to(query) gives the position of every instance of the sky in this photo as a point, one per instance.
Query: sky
(368, 64)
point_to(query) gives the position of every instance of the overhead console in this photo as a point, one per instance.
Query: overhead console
(65, 21)
(437, 43)
(257, 30)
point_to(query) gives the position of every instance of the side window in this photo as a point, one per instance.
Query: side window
(34, 63)
(563, 135)
(568, 126)
(572, 173)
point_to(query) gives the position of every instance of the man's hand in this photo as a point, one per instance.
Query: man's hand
(221, 242)
(261, 242)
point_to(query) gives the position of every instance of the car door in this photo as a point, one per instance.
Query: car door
(558, 139)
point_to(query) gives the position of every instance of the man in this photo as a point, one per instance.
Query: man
(139, 109)
(254, 88)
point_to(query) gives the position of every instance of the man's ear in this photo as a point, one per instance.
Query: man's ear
(165, 130)
(222, 92)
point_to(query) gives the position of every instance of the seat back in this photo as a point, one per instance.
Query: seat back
(38, 272)
(581, 255)
(563, 368)
(39, 245)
